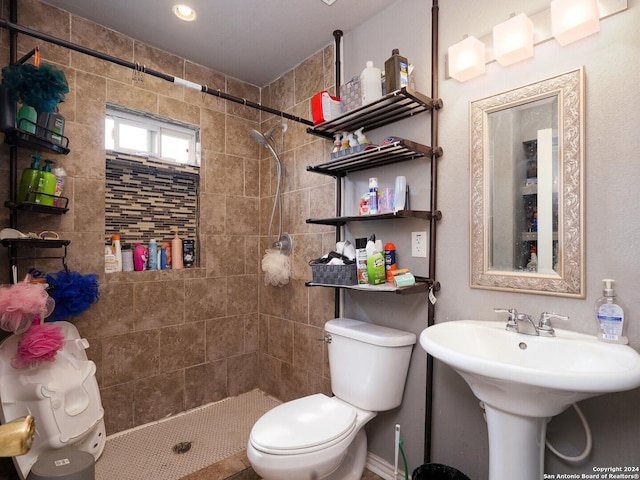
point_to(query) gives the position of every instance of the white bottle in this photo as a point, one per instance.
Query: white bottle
(373, 196)
(153, 254)
(370, 84)
(117, 251)
(110, 264)
(610, 316)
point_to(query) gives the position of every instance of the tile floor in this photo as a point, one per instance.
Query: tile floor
(238, 467)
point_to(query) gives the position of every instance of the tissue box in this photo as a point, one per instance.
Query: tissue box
(325, 107)
(335, 274)
(351, 95)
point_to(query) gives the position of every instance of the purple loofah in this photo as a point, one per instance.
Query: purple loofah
(73, 293)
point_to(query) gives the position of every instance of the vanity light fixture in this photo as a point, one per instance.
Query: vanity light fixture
(513, 40)
(547, 24)
(466, 59)
(184, 12)
(572, 20)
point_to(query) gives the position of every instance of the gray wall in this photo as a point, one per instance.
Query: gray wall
(612, 62)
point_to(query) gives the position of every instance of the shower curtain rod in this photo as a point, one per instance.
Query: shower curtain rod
(13, 27)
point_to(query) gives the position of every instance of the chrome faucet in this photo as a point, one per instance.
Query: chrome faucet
(523, 323)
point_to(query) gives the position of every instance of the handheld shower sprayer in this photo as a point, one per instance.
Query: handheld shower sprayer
(284, 242)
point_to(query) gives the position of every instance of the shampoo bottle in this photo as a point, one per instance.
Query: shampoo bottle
(153, 254)
(140, 256)
(176, 252)
(29, 181)
(27, 118)
(612, 327)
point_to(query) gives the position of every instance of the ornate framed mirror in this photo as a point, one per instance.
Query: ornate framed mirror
(527, 188)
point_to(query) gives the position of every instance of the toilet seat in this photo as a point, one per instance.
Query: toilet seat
(304, 425)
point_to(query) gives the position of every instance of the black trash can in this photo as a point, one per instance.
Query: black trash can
(436, 471)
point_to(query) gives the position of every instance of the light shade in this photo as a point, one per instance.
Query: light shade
(572, 20)
(466, 59)
(513, 40)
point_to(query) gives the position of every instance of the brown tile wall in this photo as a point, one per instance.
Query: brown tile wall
(168, 341)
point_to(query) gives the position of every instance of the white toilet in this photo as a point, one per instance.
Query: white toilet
(62, 396)
(317, 437)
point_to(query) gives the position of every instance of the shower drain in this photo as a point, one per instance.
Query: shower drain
(182, 447)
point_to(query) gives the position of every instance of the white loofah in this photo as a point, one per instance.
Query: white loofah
(276, 267)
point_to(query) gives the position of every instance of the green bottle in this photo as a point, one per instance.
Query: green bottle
(47, 185)
(27, 118)
(29, 181)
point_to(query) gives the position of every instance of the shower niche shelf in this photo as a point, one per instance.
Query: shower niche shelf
(395, 106)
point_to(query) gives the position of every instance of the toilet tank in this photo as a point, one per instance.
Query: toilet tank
(368, 363)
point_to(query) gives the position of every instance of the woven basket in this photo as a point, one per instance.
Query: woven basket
(335, 274)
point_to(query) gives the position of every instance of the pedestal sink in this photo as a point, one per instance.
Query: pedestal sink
(524, 380)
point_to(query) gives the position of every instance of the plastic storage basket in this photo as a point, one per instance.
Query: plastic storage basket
(334, 274)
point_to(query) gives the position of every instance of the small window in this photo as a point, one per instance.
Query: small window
(138, 134)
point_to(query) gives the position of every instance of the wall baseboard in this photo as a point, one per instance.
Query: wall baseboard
(382, 468)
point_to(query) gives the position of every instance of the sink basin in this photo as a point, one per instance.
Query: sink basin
(557, 370)
(523, 380)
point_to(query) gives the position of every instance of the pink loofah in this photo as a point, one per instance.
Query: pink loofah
(20, 303)
(40, 343)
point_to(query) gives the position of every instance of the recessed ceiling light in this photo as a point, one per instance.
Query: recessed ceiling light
(183, 12)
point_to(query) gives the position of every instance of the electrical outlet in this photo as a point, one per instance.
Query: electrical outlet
(419, 244)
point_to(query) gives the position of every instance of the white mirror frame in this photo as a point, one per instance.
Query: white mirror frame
(569, 280)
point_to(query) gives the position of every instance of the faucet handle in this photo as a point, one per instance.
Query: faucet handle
(545, 320)
(513, 313)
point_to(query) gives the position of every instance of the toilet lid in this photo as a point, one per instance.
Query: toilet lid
(303, 425)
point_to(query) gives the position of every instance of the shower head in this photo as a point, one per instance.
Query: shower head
(263, 138)
(259, 138)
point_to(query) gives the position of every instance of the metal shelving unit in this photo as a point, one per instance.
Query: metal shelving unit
(18, 138)
(392, 107)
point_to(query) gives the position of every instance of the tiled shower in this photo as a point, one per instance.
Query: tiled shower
(168, 341)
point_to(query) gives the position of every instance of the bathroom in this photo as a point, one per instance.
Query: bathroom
(217, 331)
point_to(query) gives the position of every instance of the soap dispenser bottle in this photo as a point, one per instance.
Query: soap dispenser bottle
(29, 181)
(48, 182)
(612, 327)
